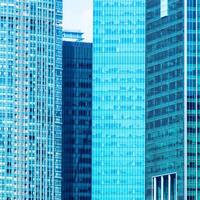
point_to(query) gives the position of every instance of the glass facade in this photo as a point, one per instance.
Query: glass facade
(192, 99)
(77, 120)
(172, 98)
(30, 99)
(118, 100)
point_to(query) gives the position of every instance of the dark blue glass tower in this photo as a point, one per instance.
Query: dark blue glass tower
(77, 108)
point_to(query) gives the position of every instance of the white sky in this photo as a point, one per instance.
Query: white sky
(77, 15)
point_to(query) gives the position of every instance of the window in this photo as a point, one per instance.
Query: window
(165, 186)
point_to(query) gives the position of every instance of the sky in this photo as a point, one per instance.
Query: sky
(77, 15)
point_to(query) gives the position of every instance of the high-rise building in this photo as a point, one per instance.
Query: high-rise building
(30, 99)
(172, 100)
(77, 117)
(118, 100)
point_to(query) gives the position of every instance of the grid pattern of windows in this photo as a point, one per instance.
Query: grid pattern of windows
(77, 121)
(164, 93)
(30, 99)
(118, 100)
(172, 95)
(193, 100)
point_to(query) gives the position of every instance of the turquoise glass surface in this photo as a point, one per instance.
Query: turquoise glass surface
(118, 100)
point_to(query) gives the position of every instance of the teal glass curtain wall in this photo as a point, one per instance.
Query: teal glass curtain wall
(192, 108)
(173, 98)
(118, 100)
(30, 99)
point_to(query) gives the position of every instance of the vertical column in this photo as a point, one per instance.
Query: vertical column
(162, 187)
(169, 187)
(154, 189)
(175, 187)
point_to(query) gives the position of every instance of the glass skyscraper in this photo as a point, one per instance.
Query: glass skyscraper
(118, 100)
(172, 100)
(77, 118)
(30, 99)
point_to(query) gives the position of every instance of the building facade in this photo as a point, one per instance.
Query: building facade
(30, 99)
(172, 100)
(118, 100)
(77, 118)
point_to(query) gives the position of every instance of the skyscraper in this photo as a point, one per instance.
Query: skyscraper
(172, 100)
(30, 99)
(118, 100)
(77, 117)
